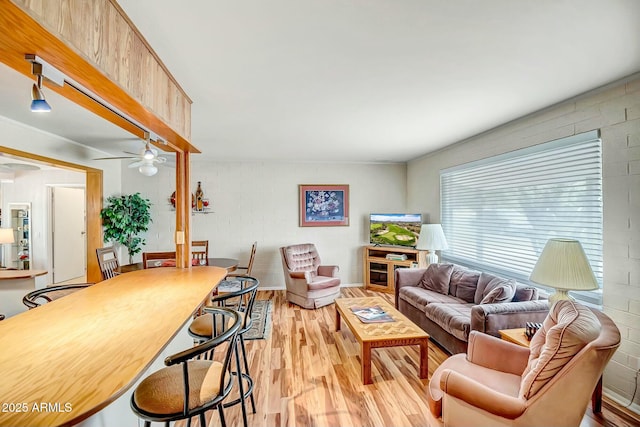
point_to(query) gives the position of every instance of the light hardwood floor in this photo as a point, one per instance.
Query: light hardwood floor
(307, 374)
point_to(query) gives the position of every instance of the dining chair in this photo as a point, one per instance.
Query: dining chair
(42, 296)
(230, 283)
(158, 259)
(189, 386)
(200, 252)
(108, 262)
(249, 268)
(203, 327)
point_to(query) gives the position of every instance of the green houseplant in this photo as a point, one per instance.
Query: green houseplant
(123, 218)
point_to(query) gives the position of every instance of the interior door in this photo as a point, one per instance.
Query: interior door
(69, 236)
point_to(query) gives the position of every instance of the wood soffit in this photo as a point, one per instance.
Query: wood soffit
(23, 35)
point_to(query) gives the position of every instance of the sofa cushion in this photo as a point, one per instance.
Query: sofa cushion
(420, 297)
(463, 283)
(487, 283)
(455, 319)
(568, 328)
(436, 278)
(525, 293)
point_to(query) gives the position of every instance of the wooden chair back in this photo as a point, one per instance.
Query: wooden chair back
(200, 252)
(254, 247)
(158, 259)
(249, 267)
(108, 262)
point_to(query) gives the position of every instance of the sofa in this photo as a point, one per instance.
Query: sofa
(449, 301)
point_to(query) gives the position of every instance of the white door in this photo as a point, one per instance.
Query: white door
(69, 242)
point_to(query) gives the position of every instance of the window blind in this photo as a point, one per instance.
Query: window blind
(498, 213)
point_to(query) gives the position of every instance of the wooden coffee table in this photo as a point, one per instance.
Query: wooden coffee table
(401, 331)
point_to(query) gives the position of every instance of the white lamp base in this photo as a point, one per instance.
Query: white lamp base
(559, 295)
(431, 258)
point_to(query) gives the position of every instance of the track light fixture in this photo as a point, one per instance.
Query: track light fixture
(38, 103)
(148, 153)
(41, 69)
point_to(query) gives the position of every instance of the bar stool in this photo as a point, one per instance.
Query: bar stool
(201, 328)
(189, 386)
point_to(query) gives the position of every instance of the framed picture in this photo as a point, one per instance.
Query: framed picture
(324, 205)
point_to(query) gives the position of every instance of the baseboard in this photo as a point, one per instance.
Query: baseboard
(621, 405)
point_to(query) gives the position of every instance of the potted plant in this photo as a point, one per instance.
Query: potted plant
(123, 218)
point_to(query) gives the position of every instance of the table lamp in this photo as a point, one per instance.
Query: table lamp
(564, 266)
(431, 239)
(6, 236)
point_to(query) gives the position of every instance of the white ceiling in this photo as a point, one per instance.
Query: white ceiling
(368, 80)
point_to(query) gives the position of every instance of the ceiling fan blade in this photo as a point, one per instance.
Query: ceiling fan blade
(133, 154)
(160, 160)
(136, 164)
(116, 158)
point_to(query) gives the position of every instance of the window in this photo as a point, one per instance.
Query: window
(498, 213)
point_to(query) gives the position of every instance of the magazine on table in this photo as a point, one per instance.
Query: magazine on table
(374, 314)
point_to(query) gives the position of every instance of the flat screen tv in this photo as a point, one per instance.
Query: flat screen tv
(396, 229)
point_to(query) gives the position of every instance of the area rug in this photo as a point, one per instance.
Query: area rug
(261, 317)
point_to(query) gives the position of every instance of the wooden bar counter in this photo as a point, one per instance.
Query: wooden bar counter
(68, 359)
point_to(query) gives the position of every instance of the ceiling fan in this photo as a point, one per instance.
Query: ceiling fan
(146, 160)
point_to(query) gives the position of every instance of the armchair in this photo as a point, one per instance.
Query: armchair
(309, 284)
(498, 383)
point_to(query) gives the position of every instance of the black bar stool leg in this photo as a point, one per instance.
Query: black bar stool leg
(246, 369)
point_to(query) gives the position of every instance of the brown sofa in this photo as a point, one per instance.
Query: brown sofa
(449, 301)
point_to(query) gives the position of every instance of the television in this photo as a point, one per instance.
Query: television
(395, 229)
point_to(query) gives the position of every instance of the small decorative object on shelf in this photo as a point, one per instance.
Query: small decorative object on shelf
(198, 203)
(199, 197)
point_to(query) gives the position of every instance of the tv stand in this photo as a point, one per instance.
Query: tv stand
(379, 271)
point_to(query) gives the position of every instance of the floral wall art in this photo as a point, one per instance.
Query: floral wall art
(324, 205)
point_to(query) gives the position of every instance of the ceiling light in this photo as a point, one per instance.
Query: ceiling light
(148, 154)
(38, 103)
(40, 69)
(148, 169)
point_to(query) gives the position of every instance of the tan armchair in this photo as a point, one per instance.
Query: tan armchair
(309, 284)
(498, 383)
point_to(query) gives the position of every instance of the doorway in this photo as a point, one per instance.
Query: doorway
(68, 227)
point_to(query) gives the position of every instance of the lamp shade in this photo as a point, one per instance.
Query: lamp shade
(432, 238)
(6, 235)
(563, 265)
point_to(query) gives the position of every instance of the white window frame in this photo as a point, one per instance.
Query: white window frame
(497, 213)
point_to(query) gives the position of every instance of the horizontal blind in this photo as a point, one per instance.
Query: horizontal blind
(498, 213)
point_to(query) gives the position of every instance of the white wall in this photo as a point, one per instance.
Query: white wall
(259, 202)
(615, 110)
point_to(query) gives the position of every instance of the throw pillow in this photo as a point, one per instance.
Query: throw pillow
(463, 283)
(502, 293)
(525, 294)
(494, 290)
(436, 278)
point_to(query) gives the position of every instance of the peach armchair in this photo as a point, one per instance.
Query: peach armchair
(498, 383)
(309, 284)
